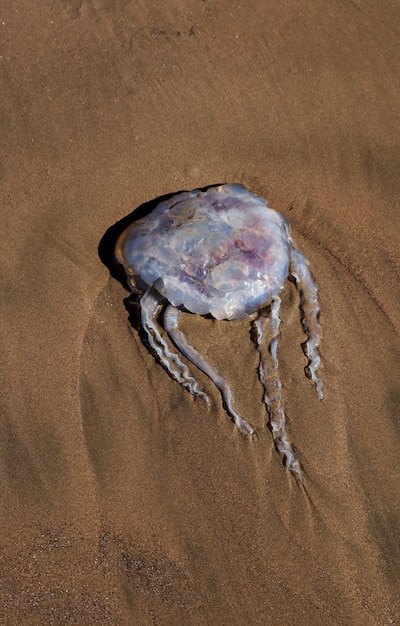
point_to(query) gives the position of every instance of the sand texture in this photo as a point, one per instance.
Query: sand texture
(123, 500)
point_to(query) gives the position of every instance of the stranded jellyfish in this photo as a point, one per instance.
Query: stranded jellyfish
(223, 253)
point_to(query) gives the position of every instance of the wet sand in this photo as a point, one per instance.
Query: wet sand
(124, 500)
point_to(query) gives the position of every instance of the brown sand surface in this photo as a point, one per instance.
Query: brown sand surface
(123, 500)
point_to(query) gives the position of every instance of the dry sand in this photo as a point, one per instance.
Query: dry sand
(123, 500)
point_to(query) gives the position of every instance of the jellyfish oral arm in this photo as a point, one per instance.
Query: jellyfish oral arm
(310, 309)
(269, 377)
(150, 304)
(171, 317)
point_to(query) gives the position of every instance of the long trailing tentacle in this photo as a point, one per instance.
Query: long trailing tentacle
(171, 317)
(150, 304)
(269, 377)
(310, 319)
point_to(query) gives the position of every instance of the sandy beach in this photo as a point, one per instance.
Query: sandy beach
(124, 500)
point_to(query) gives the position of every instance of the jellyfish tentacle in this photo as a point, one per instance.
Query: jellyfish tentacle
(150, 303)
(171, 317)
(269, 377)
(310, 319)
